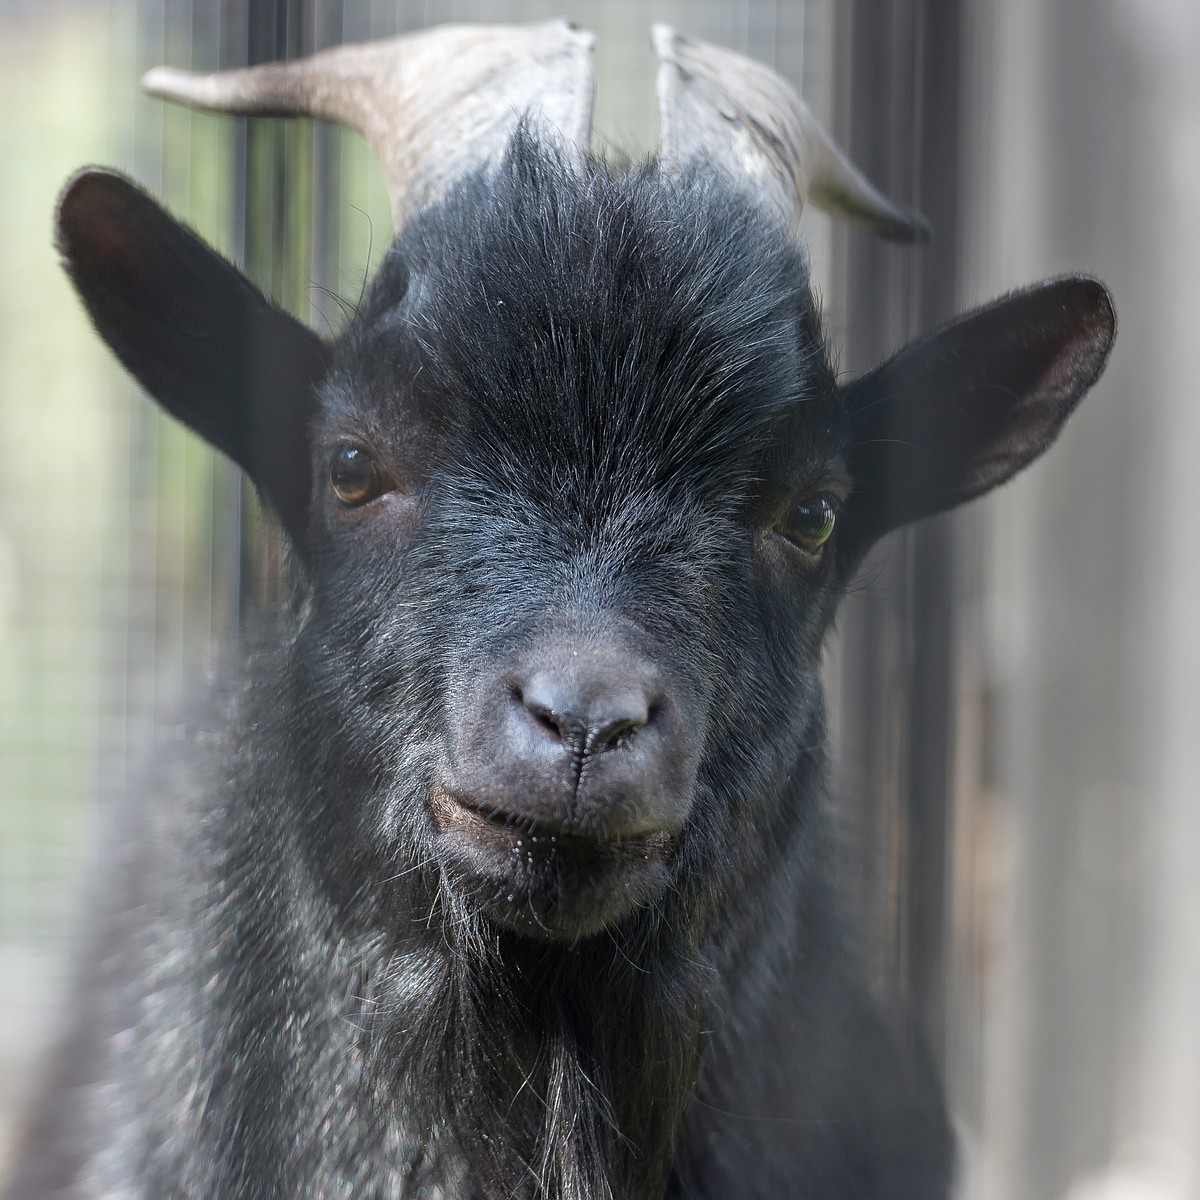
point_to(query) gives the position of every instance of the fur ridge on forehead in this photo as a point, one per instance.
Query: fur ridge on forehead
(585, 314)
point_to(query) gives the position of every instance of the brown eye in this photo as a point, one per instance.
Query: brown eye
(809, 524)
(355, 476)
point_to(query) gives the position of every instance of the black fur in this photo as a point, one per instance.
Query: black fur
(596, 395)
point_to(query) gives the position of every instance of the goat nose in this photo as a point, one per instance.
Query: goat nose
(582, 740)
(588, 714)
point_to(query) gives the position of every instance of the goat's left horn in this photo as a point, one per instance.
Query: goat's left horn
(736, 113)
(434, 105)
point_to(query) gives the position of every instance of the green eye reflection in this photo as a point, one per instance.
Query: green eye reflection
(809, 524)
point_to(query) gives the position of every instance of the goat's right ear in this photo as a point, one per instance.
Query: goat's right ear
(195, 333)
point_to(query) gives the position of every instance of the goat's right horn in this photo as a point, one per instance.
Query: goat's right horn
(735, 113)
(434, 105)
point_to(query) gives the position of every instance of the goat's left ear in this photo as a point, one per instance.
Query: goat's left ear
(965, 408)
(195, 333)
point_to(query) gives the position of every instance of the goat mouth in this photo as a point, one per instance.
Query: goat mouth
(455, 813)
(539, 879)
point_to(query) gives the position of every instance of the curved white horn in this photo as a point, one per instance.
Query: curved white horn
(736, 113)
(434, 105)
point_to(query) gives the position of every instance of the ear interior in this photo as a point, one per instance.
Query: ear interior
(194, 332)
(962, 410)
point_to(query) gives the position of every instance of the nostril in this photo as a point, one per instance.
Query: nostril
(633, 713)
(546, 718)
(561, 726)
(615, 735)
(589, 712)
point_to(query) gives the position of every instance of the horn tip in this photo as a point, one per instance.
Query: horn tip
(165, 82)
(900, 225)
(912, 228)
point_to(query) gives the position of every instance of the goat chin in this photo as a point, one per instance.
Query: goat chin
(543, 881)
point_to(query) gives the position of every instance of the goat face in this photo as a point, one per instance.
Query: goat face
(550, 463)
(572, 500)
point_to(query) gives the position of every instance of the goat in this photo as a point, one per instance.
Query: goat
(507, 870)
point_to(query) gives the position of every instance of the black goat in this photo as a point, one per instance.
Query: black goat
(508, 874)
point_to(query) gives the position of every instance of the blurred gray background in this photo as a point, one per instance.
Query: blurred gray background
(1016, 689)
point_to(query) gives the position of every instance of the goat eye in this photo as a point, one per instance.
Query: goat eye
(809, 524)
(355, 476)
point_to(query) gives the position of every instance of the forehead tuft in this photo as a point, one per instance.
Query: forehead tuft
(598, 315)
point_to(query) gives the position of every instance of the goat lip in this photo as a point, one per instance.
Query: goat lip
(453, 812)
(536, 881)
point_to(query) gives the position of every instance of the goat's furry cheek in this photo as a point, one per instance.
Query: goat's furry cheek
(794, 576)
(388, 523)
